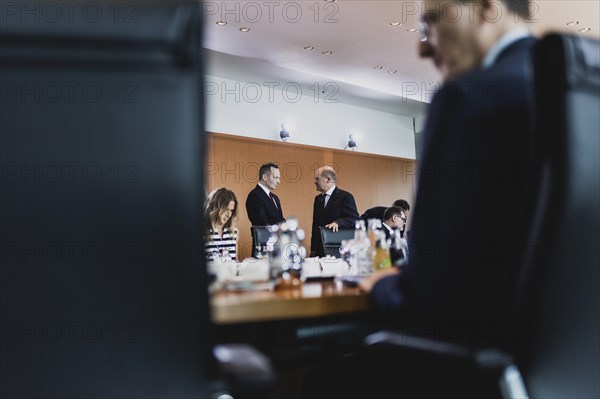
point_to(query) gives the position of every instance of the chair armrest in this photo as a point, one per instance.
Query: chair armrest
(493, 363)
(247, 371)
(487, 358)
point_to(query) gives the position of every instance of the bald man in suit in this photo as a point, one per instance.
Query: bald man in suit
(333, 208)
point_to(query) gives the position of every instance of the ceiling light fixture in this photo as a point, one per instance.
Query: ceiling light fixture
(583, 30)
(351, 143)
(391, 71)
(412, 30)
(327, 52)
(309, 48)
(244, 29)
(396, 23)
(284, 134)
(330, 1)
(377, 67)
(221, 23)
(571, 23)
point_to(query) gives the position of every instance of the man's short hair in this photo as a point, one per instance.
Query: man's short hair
(265, 169)
(519, 7)
(328, 171)
(391, 212)
(402, 204)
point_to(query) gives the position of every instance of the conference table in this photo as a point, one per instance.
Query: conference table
(311, 299)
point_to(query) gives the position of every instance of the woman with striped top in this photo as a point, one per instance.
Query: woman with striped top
(221, 212)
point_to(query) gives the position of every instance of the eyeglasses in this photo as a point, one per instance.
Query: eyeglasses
(425, 29)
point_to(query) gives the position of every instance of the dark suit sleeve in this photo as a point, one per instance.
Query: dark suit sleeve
(387, 295)
(367, 215)
(256, 210)
(349, 212)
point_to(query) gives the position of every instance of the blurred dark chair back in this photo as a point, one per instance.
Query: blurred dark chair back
(103, 280)
(332, 241)
(260, 236)
(558, 294)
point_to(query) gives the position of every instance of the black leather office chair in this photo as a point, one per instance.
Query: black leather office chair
(103, 282)
(556, 302)
(260, 236)
(333, 240)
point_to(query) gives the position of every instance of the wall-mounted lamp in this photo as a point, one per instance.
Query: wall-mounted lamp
(284, 134)
(351, 143)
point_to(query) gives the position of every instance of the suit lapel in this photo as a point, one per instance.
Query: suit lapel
(331, 199)
(268, 199)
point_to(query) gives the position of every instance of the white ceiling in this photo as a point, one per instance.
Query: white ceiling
(359, 34)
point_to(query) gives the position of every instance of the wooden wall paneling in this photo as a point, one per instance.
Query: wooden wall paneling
(395, 179)
(356, 174)
(233, 162)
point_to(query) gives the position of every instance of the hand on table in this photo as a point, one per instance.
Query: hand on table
(367, 284)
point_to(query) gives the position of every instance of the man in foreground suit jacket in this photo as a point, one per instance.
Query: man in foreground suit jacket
(333, 208)
(478, 143)
(262, 205)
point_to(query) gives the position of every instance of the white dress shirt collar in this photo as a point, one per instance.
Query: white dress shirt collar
(330, 191)
(266, 190)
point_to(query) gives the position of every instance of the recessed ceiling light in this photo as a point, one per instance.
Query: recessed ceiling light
(309, 48)
(571, 23)
(432, 83)
(391, 71)
(327, 52)
(221, 23)
(396, 23)
(583, 30)
(330, 1)
(412, 30)
(244, 29)
(377, 67)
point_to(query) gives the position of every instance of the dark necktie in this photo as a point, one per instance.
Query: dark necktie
(323, 198)
(273, 199)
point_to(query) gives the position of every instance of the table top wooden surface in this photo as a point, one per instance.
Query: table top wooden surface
(310, 299)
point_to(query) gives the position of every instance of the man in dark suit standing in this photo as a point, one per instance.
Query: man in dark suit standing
(333, 208)
(262, 205)
(478, 144)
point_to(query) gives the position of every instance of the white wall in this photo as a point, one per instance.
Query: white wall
(258, 109)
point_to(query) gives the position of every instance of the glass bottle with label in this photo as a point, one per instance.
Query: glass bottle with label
(382, 258)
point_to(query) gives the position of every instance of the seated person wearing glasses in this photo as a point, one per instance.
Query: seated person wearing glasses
(393, 219)
(377, 213)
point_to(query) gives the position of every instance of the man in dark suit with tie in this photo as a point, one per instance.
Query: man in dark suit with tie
(393, 219)
(333, 208)
(377, 213)
(478, 145)
(264, 207)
